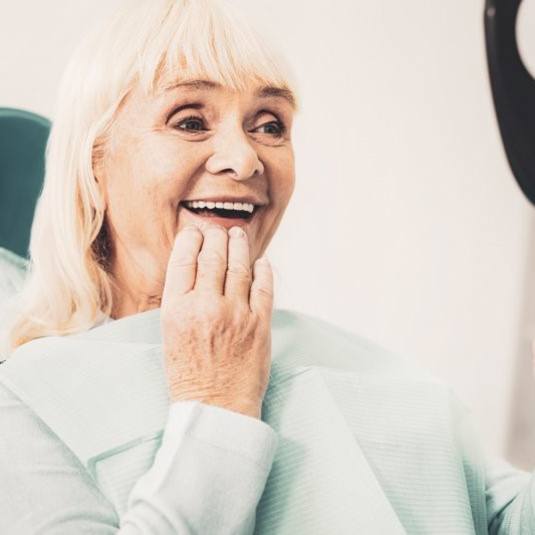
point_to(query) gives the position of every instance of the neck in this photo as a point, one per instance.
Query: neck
(127, 305)
(134, 289)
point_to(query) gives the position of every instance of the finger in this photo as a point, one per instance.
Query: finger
(238, 279)
(212, 260)
(182, 264)
(261, 296)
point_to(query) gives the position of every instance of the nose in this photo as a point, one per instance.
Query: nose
(234, 155)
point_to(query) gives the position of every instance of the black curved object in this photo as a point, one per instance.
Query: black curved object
(513, 90)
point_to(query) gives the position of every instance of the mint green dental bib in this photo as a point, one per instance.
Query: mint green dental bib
(368, 445)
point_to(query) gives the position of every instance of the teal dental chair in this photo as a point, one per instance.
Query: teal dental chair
(23, 137)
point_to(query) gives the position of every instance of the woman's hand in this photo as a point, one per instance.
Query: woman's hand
(216, 320)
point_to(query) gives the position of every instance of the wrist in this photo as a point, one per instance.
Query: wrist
(241, 406)
(247, 408)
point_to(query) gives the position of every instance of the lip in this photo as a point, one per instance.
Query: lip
(226, 222)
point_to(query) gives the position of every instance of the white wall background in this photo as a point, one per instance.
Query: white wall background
(406, 225)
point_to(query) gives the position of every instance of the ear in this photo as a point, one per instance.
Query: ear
(98, 168)
(101, 193)
(99, 172)
(98, 159)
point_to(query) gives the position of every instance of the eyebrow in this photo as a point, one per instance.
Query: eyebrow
(264, 92)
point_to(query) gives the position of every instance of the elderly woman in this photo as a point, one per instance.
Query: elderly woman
(150, 388)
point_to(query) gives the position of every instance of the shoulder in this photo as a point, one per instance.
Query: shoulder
(60, 374)
(315, 341)
(41, 357)
(20, 427)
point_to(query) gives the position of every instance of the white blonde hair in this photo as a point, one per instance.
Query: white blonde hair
(148, 42)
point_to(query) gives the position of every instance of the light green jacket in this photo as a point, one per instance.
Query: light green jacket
(367, 444)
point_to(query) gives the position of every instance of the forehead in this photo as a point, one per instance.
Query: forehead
(258, 91)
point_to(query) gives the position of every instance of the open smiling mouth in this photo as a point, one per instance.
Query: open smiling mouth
(225, 213)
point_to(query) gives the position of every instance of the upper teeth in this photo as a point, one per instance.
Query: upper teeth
(248, 207)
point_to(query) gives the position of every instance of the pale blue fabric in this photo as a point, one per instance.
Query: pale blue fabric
(362, 442)
(12, 273)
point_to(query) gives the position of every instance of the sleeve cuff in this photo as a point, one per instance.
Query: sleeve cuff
(208, 474)
(245, 435)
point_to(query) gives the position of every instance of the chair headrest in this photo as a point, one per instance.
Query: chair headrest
(23, 138)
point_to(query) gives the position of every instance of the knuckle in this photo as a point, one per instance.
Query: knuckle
(239, 269)
(263, 290)
(184, 260)
(241, 318)
(211, 258)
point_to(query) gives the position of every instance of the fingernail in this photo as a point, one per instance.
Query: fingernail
(236, 232)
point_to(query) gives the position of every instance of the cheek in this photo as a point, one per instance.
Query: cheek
(169, 166)
(153, 174)
(283, 179)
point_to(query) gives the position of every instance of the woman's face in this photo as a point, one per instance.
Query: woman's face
(195, 141)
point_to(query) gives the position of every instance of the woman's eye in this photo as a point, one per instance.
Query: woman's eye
(195, 124)
(274, 128)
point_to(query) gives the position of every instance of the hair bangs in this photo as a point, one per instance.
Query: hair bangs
(210, 40)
